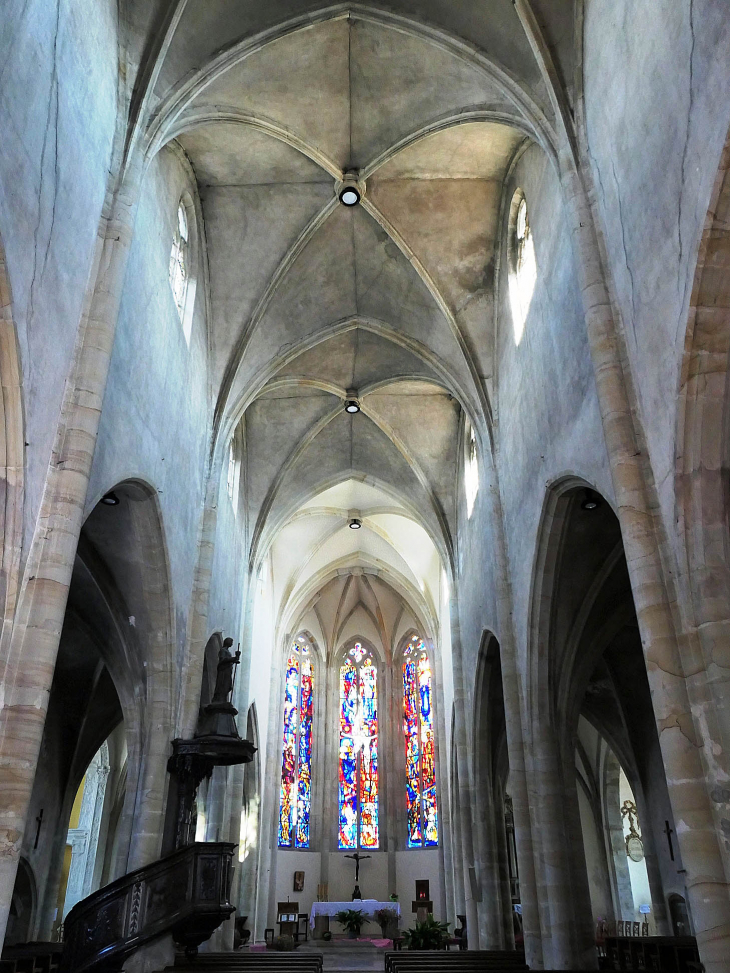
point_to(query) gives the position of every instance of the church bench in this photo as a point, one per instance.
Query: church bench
(243, 961)
(464, 961)
(474, 961)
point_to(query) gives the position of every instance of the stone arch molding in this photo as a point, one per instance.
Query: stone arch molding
(161, 124)
(159, 704)
(703, 479)
(544, 574)
(12, 458)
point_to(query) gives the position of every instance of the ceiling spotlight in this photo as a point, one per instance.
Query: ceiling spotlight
(110, 499)
(355, 524)
(591, 500)
(352, 403)
(350, 189)
(349, 196)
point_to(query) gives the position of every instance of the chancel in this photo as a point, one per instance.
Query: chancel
(364, 463)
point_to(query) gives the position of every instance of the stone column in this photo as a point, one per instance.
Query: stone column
(512, 693)
(465, 787)
(44, 592)
(554, 846)
(504, 890)
(490, 908)
(680, 741)
(614, 825)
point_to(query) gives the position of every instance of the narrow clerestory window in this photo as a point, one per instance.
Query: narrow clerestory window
(231, 476)
(179, 259)
(522, 266)
(471, 468)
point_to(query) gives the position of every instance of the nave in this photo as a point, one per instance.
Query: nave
(364, 463)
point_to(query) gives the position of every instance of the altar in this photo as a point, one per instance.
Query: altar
(368, 906)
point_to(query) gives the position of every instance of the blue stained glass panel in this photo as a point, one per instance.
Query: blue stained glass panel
(296, 762)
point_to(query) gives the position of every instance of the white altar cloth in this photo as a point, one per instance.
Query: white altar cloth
(368, 906)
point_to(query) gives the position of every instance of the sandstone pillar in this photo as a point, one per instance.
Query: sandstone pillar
(42, 601)
(513, 716)
(466, 790)
(680, 741)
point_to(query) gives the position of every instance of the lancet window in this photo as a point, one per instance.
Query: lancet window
(179, 259)
(296, 762)
(358, 750)
(523, 266)
(421, 805)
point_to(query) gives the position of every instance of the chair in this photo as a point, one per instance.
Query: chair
(269, 936)
(302, 917)
(460, 933)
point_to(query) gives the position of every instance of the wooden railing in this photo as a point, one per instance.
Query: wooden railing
(185, 893)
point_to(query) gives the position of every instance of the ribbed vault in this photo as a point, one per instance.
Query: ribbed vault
(309, 299)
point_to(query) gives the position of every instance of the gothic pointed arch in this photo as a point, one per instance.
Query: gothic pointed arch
(703, 469)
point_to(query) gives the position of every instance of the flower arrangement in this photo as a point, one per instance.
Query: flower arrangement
(352, 919)
(429, 934)
(386, 918)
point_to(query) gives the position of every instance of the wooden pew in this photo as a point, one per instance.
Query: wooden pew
(246, 961)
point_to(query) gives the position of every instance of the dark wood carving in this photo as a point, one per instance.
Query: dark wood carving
(185, 893)
(216, 744)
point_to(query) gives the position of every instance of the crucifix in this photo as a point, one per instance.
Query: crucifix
(669, 832)
(357, 857)
(39, 819)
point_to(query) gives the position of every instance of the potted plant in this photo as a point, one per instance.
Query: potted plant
(387, 919)
(426, 935)
(353, 920)
(284, 944)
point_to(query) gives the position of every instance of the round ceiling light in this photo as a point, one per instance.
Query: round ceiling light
(355, 524)
(352, 406)
(349, 196)
(110, 499)
(591, 500)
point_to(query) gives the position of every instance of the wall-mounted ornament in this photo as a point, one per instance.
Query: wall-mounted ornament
(634, 844)
(298, 881)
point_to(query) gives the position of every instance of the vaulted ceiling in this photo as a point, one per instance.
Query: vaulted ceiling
(375, 582)
(430, 102)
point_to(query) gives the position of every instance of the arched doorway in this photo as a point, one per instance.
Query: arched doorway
(588, 696)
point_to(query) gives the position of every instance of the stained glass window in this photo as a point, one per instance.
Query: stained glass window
(358, 753)
(296, 761)
(421, 807)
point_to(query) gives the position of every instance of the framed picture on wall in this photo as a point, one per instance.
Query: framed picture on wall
(298, 881)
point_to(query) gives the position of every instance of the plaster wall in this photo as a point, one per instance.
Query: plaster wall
(415, 864)
(58, 90)
(227, 581)
(289, 862)
(373, 878)
(655, 135)
(154, 418)
(548, 418)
